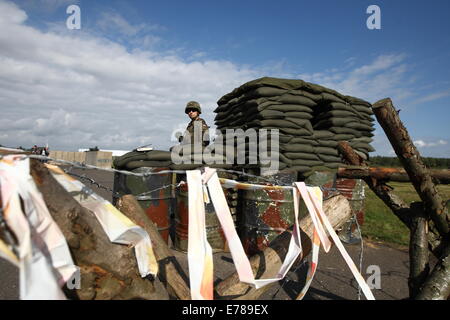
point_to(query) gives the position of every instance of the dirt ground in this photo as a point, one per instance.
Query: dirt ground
(333, 279)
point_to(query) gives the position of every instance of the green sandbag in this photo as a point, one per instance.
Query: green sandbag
(158, 155)
(338, 114)
(331, 97)
(327, 151)
(343, 137)
(298, 114)
(238, 122)
(127, 157)
(287, 84)
(364, 148)
(362, 139)
(328, 158)
(322, 134)
(300, 140)
(283, 139)
(301, 155)
(364, 109)
(293, 99)
(260, 104)
(306, 148)
(333, 165)
(278, 123)
(290, 108)
(145, 163)
(331, 122)
(362, 154)
(327, 143)
(265, 92)
(304, 162)
(303, 123)
(270, 114)
(277, 155)
(310, 95)
(272, 123)
(301, 169)
(296, 132)
(359, 126)
(343, 130)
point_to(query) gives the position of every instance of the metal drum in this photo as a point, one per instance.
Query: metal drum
(266, 213)
(352, 189)
(154, 197)
(214, 232)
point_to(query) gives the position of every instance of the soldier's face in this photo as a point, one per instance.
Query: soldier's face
(193, 114)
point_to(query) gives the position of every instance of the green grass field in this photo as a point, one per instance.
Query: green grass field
(381, 224)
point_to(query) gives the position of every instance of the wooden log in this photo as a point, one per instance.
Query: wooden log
(391, 200)
(170, 272)
(267, 263)
(384, 192)
(437, 285)
(389, 174)
(419, 267)
(410, 158)
(108, 271)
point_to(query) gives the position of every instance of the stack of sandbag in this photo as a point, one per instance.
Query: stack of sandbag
(311, 120)
(138, 159)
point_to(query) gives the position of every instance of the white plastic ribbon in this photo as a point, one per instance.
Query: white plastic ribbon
(199, 250)
(312, 197)
(319, 219)
(45, 262)
(200, 258)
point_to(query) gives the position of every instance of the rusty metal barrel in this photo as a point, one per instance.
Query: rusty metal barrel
(352, 189)
(154, 193)
(265, 213)
(214, 232)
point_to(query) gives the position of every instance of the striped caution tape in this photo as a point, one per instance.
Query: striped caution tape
(200, 257)
(321, 223)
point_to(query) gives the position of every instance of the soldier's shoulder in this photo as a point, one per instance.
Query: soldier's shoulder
(201, 120)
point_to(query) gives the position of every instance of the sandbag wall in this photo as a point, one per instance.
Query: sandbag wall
(311, 120)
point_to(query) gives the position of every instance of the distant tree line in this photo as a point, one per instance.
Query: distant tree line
(437, 163)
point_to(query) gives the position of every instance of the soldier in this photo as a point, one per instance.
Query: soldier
(193, 110)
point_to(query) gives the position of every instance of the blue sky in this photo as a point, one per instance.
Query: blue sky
(138, 62)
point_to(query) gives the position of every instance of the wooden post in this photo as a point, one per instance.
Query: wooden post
(267, 263)
(384, 192)
(389, 174)
(391, 200)
(108, 271)
(419, 267)
(437, 285)
(410, 158)
(170, 272)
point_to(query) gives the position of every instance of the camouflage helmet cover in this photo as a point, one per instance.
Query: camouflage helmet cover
(193, 105)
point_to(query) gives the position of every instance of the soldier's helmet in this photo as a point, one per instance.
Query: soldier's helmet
(193, 105)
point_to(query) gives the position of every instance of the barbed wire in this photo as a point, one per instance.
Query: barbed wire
(140, 196)
(146, 174)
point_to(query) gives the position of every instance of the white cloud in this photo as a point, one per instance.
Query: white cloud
(382, 77)
(433, 96)
(422, 144)
(78, 90)
(47, 6)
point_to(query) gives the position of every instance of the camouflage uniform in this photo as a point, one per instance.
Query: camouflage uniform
(204, 131)
(197, 122)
